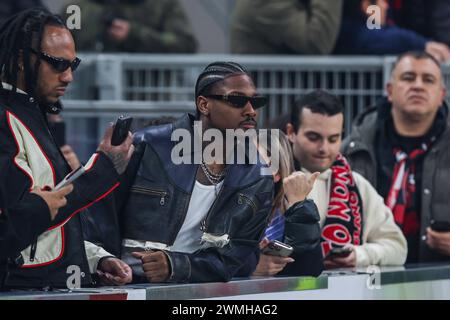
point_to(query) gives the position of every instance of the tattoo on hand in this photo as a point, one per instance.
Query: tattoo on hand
(119, 161)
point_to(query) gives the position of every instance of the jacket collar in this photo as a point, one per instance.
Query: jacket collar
(386, 124)
(364, 130)
(9, 87)
(25, 98)
(370, 119)
(183, 175)
(18, 99)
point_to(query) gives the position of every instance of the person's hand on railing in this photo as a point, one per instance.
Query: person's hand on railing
(438, 50)
(336, 261)
(113, 271)
(155, 264)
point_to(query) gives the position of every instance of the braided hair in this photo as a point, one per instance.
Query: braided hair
(213, 74)
(18, 34)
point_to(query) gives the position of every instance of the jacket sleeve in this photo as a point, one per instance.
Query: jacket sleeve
(390, 40)
(302, 232)
(94, 254)
(102, 222)
(222, 264)
(174, 35)
(24, 215)
(16, 179)
(21, 224)
(127, 178)
(385, 243)
(100, 179)
(312, 30)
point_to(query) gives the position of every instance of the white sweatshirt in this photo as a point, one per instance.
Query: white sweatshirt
(383, 241)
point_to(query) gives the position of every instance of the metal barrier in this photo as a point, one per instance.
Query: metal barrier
(358, 81)
(424, 281)
(142, 77)
(167, 81)
(86, 121)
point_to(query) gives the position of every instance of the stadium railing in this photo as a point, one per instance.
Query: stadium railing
(155, 85)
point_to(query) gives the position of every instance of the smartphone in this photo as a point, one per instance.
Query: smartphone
(277, 248)
(339, 252)
(121, 129)
(440, 226)
(71, 177)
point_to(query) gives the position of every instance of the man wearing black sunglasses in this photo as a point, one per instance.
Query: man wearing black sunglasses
(59, 64)
(37, 60)
(196, 221)
(232, 105)
(55, 73)
(240, 101)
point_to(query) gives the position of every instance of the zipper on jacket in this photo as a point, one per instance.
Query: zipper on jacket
(45, 122)
(153, 192)
(33, 251)
(204, 223)
(242, 197)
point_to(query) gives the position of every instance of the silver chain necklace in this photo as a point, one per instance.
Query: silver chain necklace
(211, 176)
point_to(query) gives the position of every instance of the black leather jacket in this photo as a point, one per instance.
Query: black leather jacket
(156, 194)
(22, 126)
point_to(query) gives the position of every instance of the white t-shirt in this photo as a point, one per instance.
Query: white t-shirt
(202, 198)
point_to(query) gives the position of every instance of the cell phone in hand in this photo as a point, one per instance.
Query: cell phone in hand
(339, 252)
(121, 129)
(440, 226)
(71, 177)
(277, 248)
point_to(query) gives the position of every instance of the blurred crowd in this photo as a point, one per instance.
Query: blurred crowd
(345, 27)
(304, 27)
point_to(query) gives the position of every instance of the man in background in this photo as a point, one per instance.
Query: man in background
(152, 26)
(402, 147)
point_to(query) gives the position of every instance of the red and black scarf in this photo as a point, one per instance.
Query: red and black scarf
(401, 195)
(343, 224)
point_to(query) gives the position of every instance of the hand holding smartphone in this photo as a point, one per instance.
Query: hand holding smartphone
(339, 253)
(71, 177)
(277, 248)
(440, 226)
(121, 129)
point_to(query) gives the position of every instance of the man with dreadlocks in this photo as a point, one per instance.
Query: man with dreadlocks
(37, 59)
(196, 221)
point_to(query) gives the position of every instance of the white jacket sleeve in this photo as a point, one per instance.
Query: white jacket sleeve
(94, 253)
(384, 243)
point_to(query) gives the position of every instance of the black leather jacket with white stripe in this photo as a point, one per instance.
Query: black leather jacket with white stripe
(30, 158)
